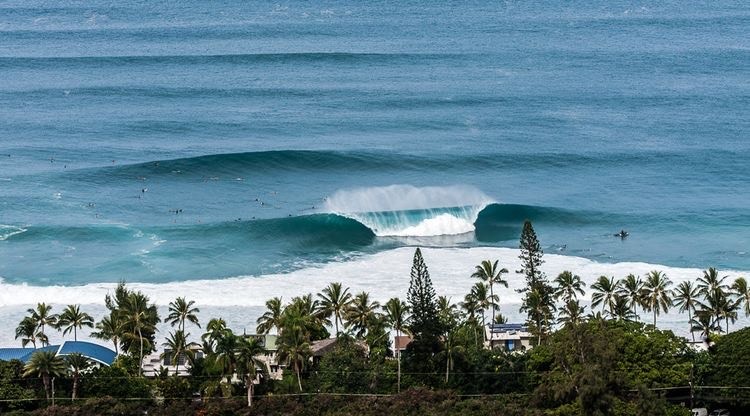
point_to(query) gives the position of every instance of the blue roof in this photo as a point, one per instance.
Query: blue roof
(90, 350)
(7, 354)
(507, 327)
(23, 354)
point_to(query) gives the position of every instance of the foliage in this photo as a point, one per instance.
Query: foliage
(729, 360)
(539, 296)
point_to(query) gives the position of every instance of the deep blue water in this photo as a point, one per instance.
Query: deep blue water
(163, 141)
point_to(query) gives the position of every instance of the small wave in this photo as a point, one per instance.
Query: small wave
(8, 231)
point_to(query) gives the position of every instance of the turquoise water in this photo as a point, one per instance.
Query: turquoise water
(193, 140)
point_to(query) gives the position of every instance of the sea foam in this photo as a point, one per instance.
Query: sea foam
(384, 275)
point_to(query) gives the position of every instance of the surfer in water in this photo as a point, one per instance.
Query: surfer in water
(622, 234)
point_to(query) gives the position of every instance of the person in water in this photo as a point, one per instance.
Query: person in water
(622, 234)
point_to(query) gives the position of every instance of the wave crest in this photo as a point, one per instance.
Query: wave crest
(410, 211)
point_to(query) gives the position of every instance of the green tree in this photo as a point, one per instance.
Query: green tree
(248, 363)
(620, 309)
(631, 288)
(26, 330)
(397, 314)
(572, 313)
(568, 286)
(335, 301)
(656, 293)
(484, 300)
(177, 346)
(704, 323)
(604, 291)
(686, 298)
(110, 328)
(180, 311)
(139, 319)
(77, 364)
(361, 313)
(488, 272)
(72, 318)
(43, 317)
(294, 350)
(425, 323)
(271, 318)
(538, 301)
(742, 291)
(45, 365)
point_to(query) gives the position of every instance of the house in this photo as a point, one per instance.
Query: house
(321, 348)
(270, 358)
(94, 352)
(400, 343)
(510, 337)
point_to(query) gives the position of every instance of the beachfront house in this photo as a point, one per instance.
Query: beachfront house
(510, 337)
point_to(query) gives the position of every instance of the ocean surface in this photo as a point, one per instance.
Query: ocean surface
(234, 151)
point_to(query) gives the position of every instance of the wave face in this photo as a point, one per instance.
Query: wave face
(409, 211)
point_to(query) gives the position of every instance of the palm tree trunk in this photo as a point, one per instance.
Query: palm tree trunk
(75, 387)
(249, 392)
(398, 359)
(117, 346)
(140, 363)
(492, 296)
(299, 380)
(447, 366)
(690, 318)
(45, 381)
(75, 333)
(336, 322)
(177, 364)
(654, 318)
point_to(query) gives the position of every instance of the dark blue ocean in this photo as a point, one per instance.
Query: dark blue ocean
(167, 142)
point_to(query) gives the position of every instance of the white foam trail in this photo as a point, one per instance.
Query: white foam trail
(384, 275)
(409, 211)
(8, 231)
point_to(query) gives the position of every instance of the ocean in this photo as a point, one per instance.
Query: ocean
(235, 151)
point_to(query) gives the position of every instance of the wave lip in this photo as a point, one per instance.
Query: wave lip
(409, 211)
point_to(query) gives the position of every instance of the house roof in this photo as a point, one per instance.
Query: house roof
(402, 341)
(89, 350)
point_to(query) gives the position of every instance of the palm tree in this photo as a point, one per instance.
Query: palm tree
(272, 317)
(631, 288)
(704, 322)
(451, 348)
(334, 301)
(110, 328)
(177, 346)
(360, 313)
(743, 294)
(686, 298)
(484, 299)
(537, 306)
(604, 291)
(728, 310)
(620, 309)
(294, 349)
(396, 314)
(138, 317)
(72, 318)
(247, 363)
(568, 286)
(26, 330)
(215, 329)
(180, 311)
(488, 272)
(572, 313)
(225, 354)
(77, 363)
(43, 316)
(710, 282)
(45, 364)
(656, 293)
